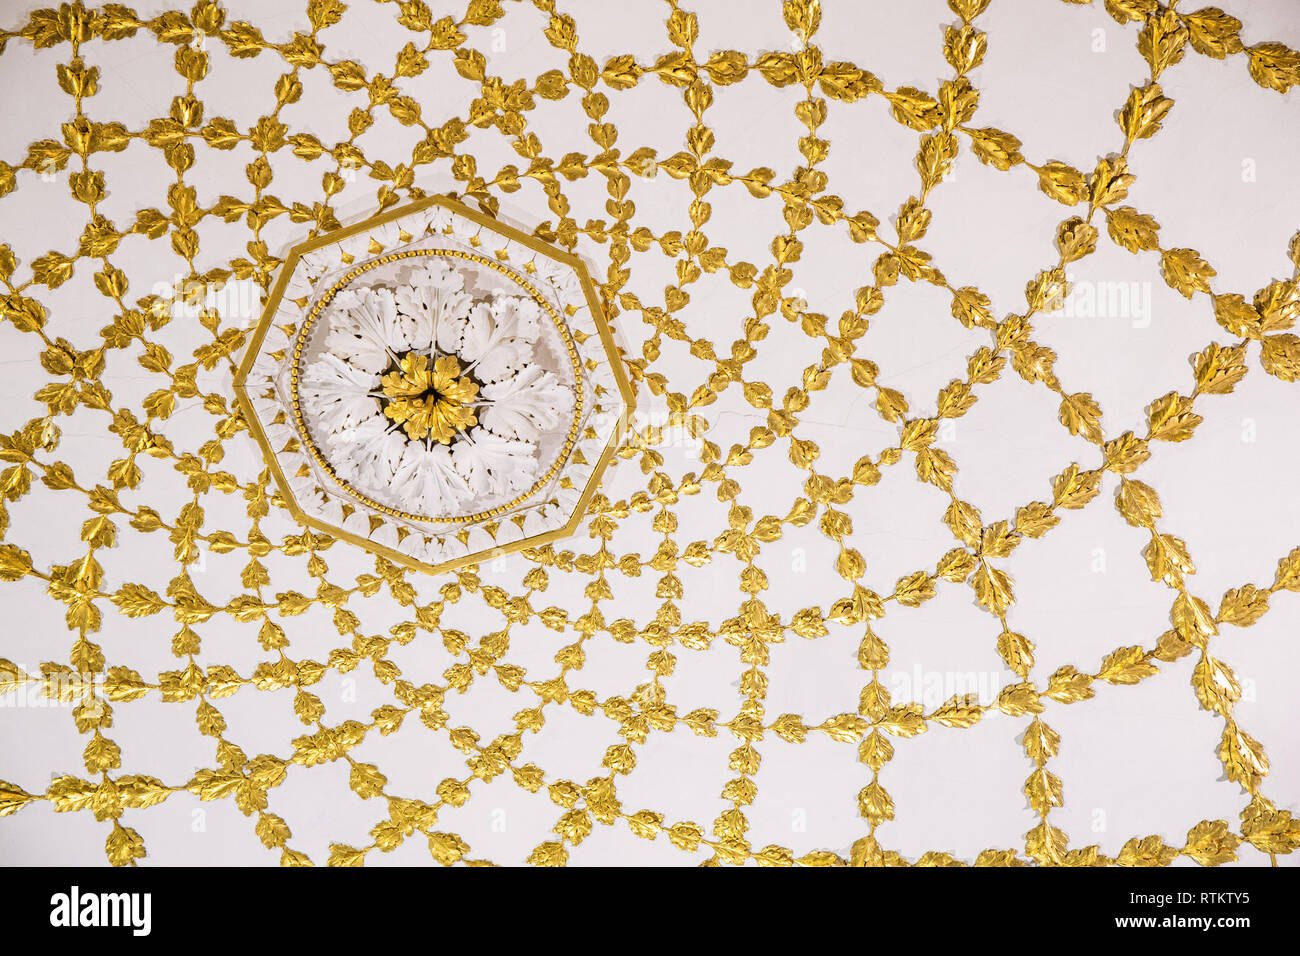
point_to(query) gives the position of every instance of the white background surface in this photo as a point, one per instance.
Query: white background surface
(1134, 760)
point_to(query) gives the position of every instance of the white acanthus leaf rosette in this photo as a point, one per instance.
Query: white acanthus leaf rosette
(428, 400)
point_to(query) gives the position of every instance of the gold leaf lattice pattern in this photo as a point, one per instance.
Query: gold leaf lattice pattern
(204, 653)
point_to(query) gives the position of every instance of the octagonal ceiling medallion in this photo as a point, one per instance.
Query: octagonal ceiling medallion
(435, 386)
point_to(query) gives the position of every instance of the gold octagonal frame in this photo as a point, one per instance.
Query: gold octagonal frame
(272, 305)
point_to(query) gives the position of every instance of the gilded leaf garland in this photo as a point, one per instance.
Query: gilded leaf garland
(187, 356)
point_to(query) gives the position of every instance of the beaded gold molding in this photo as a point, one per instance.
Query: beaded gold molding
(328, 296)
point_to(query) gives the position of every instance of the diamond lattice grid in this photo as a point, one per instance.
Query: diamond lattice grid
(801, 516)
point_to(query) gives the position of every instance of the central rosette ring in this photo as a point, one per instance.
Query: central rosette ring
(436, 397)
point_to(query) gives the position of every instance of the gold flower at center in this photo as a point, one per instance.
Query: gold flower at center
(429, 400)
